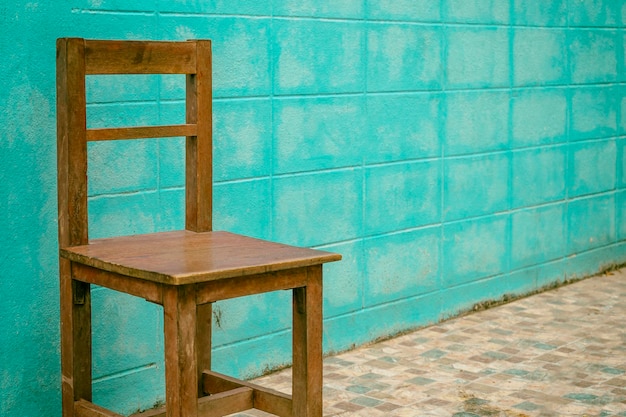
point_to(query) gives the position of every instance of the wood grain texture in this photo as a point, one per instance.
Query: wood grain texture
(139, 57)
(204, 324)
(84, 408)
(239, 399)
(62, 144)
(81, 340)
(268, 400)
(214, 382)
(184, 257)
(218, 405)
(71, 143)
(307, 346)
(75, 340)
(275, 403)
(141, 132)
(75, 299)
(148, 290)
(199, 148)
(179, 326)
(227, 288)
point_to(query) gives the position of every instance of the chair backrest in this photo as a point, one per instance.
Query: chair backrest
(77, 58)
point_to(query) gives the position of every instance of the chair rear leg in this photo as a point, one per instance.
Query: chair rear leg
(203, 342)
(75, 340)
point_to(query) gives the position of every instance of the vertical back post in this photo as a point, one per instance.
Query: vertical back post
(73, 224)
(72, 142)
(199, 158)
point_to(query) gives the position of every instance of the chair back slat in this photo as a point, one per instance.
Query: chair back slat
(118, 133)
(76, 58)
(140, 57)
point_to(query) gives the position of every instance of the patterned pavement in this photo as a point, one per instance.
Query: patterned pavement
(558, 353)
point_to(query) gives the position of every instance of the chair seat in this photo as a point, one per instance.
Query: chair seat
(185, 257)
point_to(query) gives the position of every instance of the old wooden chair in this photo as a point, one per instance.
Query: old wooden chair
(184, 271)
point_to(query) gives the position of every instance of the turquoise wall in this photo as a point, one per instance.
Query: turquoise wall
(452, 151)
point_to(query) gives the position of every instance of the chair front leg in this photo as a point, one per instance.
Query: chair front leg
(181, 374)
(307, 346)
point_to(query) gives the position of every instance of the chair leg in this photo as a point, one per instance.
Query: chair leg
(203, 342)
(307, 346)
(75, 340)
(181, 378)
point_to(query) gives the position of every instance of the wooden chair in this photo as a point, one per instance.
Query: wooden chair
(184, 271)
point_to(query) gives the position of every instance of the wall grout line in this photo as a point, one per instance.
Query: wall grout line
(568, 135)
(509, 141)
(443, 108)
(272, 140)
(364, 191)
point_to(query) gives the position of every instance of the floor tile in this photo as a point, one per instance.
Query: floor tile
(558, 353)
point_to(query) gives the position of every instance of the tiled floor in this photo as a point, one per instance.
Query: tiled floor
(559, 353)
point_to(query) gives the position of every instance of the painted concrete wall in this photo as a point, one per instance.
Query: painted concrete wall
(452, 151)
